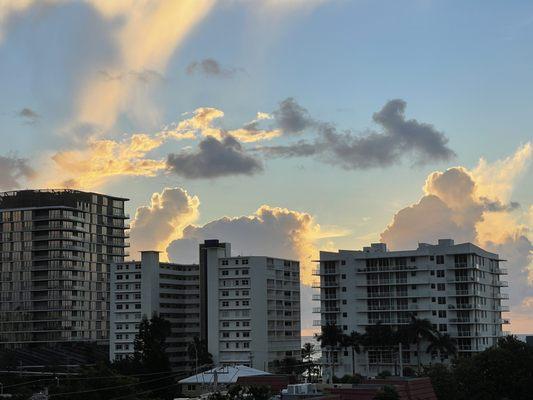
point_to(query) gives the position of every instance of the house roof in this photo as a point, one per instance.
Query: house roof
(225, 375)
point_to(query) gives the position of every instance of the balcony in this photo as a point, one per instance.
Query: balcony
(326, 310)
(328, 271)
(501, 271)
(324, 284)
(501, 284)
(465, 320)
(502, 296)
(501, 308)
(323, 322)
(463, 279)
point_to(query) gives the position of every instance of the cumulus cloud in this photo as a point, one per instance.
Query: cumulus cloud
(214, 158)
(161, 222)
(468, 206)
(210, 67)
(28, 115)
(398, 138)
(270, 231)
(13, 171)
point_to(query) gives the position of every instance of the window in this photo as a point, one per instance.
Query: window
(246, 345)
(225, 262)
(413, 259)
(432, 286)
(431, 258)
(434, 312)
(441, 286)
(443, 328)
(245, 271)
(345, 315)
(442, 313)
(236, 263)
(137, 306)
(246, 334)
(245, 303)
(137, 276)
(440, 259)
(344, 288)
(343, 262)
(225, 334)
(440, 273)
(237, 271)
(442, 300)
(432, 272)
(245, 281)
(433, 299)
(225, 293)
(225, 272)
(244, 262)
(344, 302)
(343, 276)
(225, 304)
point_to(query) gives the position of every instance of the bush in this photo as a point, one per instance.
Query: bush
(387, 393)
(384, 374)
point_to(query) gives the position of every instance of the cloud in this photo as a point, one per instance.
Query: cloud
(157, 225)
(105, 159)
(220, 153)
(292, 118)
(203, 121)
(13, 171)
(211, 68)
(398, 139)
(214, 158)
(466, 205)
(270, 231)
(28, 115)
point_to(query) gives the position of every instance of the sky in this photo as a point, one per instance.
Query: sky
(284, 127)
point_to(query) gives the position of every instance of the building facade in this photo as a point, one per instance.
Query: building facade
(56, 250)
(253, 310)
(457, 287)
(147, 287)
(247, 309)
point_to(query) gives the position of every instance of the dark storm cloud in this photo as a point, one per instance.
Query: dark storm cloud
(13, 169)
(211, 67)
(214, 159)
(292, 118)
(398, 138)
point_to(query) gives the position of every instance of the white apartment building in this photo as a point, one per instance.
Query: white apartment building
(455, 286)
(253, 307)
(142, 288)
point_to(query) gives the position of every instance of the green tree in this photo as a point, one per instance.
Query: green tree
(502, 371)
(308, 349)
(387, 393)
(288, 366)
(419, 330)
(150, 344)
(330, 337)
(443, 381)
(355, 342)
(199, 355)
(443, 344)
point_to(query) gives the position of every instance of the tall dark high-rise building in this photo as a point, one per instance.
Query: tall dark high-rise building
(56, 250)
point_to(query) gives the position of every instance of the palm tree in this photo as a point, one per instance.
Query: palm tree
(329, 337)
(308, 350)
(379, 336)
(419, 330)
(443, 344)
(355, 341)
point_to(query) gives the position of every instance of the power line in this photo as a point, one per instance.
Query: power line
(93, 377)
(109, 387)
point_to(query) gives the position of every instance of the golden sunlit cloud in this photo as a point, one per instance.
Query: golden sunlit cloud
(149, 32)
(163, 220)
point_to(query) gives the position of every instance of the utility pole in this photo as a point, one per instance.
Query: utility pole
(401, 361)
